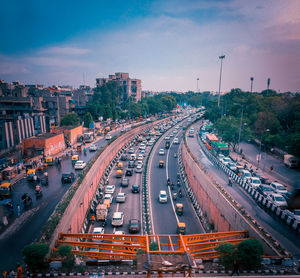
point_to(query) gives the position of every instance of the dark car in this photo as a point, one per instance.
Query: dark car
(124, 182)
(265, 189)
(265, 180)
(134, 226)
(67, 177)
(129, 172)
(135, 188)
(131, 164)
(124, 157)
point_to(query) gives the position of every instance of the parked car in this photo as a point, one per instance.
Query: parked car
(163, 197)
(265, 189)
(134, 226)
(121, 197)
(124, 182)
(79, 165)
(67, 177)
(135, 188)
(277, 200)
(161, 152)
(110, 189)
(278, 188)
(93, 148)
(129, 172)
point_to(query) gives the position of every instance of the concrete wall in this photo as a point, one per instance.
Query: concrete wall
(215, 201)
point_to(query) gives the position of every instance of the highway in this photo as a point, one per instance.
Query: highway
(286, 236)
(28, 227)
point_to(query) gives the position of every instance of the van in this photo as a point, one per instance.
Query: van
(117, 219)
(291, 161)
(133, 156)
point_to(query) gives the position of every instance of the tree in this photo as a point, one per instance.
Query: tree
(34, 255)
(65, 251)
(70, 119)
(87, 119)
(227, 251)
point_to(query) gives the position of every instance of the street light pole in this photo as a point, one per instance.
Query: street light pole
(251, 79)
(259, 155)
(197, 85)
(221, 58)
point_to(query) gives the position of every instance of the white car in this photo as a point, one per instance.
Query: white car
(254, 182)
(167, 138)
(93, 148)
(121, 197)
(98, 230)
(110, 189)
(108, 197)
(161, 152)
(140, 162)
(117, 219)
(295, 214)
(119, 233)
(163, 197)
(277, 200)
(79, 165)
(176, 141)
(131, 150)
(139, 168)
(143, 151)
(221, 156)
(142, 146)
(278, 188)
(107, 137)
(231, 166)
(171, 135)
(140, 156)
(226, 160)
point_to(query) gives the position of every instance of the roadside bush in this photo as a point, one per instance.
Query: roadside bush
(68, 258)
(227, 251)
(34, 256)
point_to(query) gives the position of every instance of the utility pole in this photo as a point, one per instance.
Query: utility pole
(221, 58)
(268, 85)
(251, 79)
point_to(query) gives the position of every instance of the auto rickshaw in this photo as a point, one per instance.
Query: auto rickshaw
(119, 174)
(79, 148)
(161, 164)
(5, 189)
(30, 174)
(181, 228)
(49, 160)
(120, 166)
(179, 209)
(74, 158)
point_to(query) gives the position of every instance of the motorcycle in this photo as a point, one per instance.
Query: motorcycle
(172, 185)
(38, 191)
(180, 193)
(174, 196)
(178, 183)
(175, 155)
(229, 182)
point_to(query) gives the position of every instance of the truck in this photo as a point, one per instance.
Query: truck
(101, 212)
(167, 145)
(291, 161)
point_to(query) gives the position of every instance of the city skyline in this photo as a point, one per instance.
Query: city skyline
(168, 45)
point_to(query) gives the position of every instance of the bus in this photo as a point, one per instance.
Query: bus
(209, 139)
(88, 137)
(219, 148)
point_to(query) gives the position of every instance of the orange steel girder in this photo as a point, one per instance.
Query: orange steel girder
(124, 247)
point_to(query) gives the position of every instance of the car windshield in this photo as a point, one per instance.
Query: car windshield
(280, 187)
(163, 195)
(247, 174)
(297, 212)
(267, 188)
(255, 181)
(279, 198)
(226, 159)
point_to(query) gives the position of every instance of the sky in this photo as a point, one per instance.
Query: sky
(168, 44)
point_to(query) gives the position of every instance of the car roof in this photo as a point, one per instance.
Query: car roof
(98, 230)
(163, 191)
(117, 213)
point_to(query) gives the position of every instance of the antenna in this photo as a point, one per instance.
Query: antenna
(83, 78)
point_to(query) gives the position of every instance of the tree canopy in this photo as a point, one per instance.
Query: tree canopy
(70, 119)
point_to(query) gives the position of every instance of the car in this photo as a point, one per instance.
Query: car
(121, 197)
(161, 152)
(142, 146)
(134, 226)
(245, 175)
(140, 156)
(110, 189)
(93, 148)
(225, 160)
(149, 143)
(265, 189)
(176, 140)
(108, 137)
(135, 188)
(278, 188)
(131, 150)
(67, 177)
(117, 219)
(294, 214)
(119, 233)
(131, 164)
(79, 165)
(98, 230)
(140, 162)
(108, 197)
(220, 155)
(167, 138)
(123, 157)
(124, 182)
(288, 196)
(139, 168)
(163, 197)
(254, 182)
(231, 166)
(128, 172)
(277, 200)
(171, 135)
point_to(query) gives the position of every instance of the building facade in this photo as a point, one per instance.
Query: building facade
(131, 87)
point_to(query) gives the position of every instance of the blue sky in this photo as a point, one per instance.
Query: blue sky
(167, 44)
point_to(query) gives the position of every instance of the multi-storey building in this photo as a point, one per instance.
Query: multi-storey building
(131, 87)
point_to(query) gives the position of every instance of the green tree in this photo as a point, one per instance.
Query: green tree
(34, 256)
(227, 251)
(70, 119)
(87, 119)
(65, 251)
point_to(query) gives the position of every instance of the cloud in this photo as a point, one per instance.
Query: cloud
(64, 50)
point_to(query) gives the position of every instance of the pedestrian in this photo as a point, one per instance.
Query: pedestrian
(4, 273)
(271, 168)
(12, 273)
(235, 268)
(19, 271)
(241, 150)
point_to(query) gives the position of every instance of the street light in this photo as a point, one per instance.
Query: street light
(259, 155)
(221, 58)
(251, 79)
(197, 85)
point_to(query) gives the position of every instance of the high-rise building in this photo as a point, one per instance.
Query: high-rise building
(131, 87)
